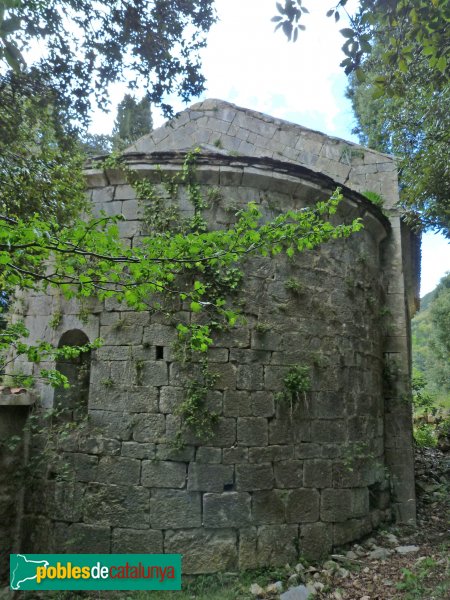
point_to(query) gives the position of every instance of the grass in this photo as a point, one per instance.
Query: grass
(420, 582)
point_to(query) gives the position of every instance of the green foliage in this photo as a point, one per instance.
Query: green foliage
(296, 383)
(90, 45)
(262, 327)
(397, 56)
(422, 400)
(414, 125)
(40, 166)
(431, 359)
(425, 435)
(13, 346)
(293, 285)
(134, 120)
(419, 582)
(412, 30)
(55, 320)
(194, 412)
(430, 334)
(374, 198)
(193, 265)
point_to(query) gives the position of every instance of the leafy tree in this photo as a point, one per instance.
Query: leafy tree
(40, 166)
(412, 30)
(430, 341)
(396, 53)
(134, 120)
(92, 44)
(88, 259)
(414, 126)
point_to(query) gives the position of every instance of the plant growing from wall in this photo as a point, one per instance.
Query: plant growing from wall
(297, 384)
(178, 261)
(294, 286)
(375, 198)
(194, 412)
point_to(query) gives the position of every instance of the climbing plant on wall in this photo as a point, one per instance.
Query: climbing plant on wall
(189, 262)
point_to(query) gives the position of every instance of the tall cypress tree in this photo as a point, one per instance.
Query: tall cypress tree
(134, 119)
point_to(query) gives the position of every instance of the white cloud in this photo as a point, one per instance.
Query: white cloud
(249, 64)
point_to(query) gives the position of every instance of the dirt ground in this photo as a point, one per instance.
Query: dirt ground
(377, 570)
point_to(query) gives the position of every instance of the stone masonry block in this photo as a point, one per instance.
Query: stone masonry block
(350, 530)
(336, 505)
(82, 467)
(329, 431)
(170, 398)
(116, 506)
(136, 450)
(328, 405)
(115, 469)
(360, 502)
(274, 376)
(159, 335)
(234, 455)
(268, 545)
(142, 399)
(169, 452)
(149, 428)
(308, 450)
(262, 404)
(316, 540)
(268, 454)
(250, 377)
(268, 507)
(124, 192)
(243, 357)
(236, 338)
(254, 477)
(105, 353)
(209, 478)
(226, 376)
(163, 474)
(65, 500)
(130, 541)
(121, 335)
(85, 539)
(289, 474)
(302, 506)
(207, 455)
(236, 403)
(100, 445)
(177, 509)
(154, 373)
(229, 509)
(224, 433)
(117, 425)
(203, 550)
(131, 210)
(317, 473)
(252, 431)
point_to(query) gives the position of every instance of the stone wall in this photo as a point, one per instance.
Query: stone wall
(272, 482)
(14, 409)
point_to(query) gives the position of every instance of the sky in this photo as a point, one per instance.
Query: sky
(248, 64)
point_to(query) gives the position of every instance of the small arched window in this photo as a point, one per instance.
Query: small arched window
(72, 402)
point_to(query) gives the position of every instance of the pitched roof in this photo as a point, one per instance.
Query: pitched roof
(217, 126)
